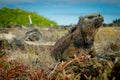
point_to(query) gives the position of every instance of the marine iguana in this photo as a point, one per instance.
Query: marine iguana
(81, 36)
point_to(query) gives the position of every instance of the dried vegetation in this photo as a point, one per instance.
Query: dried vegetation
(36, 63)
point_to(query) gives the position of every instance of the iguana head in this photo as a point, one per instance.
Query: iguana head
(94, 20)
(89, 25)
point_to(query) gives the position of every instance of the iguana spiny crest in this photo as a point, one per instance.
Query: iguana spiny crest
(81, 36)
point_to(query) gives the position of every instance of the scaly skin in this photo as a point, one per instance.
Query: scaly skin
(80, 37)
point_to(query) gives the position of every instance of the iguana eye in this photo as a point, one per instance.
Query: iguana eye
(90, 17)
(99, 15)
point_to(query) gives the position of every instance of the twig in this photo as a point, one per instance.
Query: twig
(53, 72)
(81, 59)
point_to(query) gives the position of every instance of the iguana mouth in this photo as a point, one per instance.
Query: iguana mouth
(98, 22)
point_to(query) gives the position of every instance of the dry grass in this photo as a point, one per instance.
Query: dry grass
(109, 34)
(36, 63)
(106, 37)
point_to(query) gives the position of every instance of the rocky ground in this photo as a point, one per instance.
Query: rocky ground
(36, 54)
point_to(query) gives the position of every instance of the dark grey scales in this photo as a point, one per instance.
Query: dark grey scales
(81, 36)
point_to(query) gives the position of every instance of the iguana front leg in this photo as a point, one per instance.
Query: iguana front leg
(60, 46)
